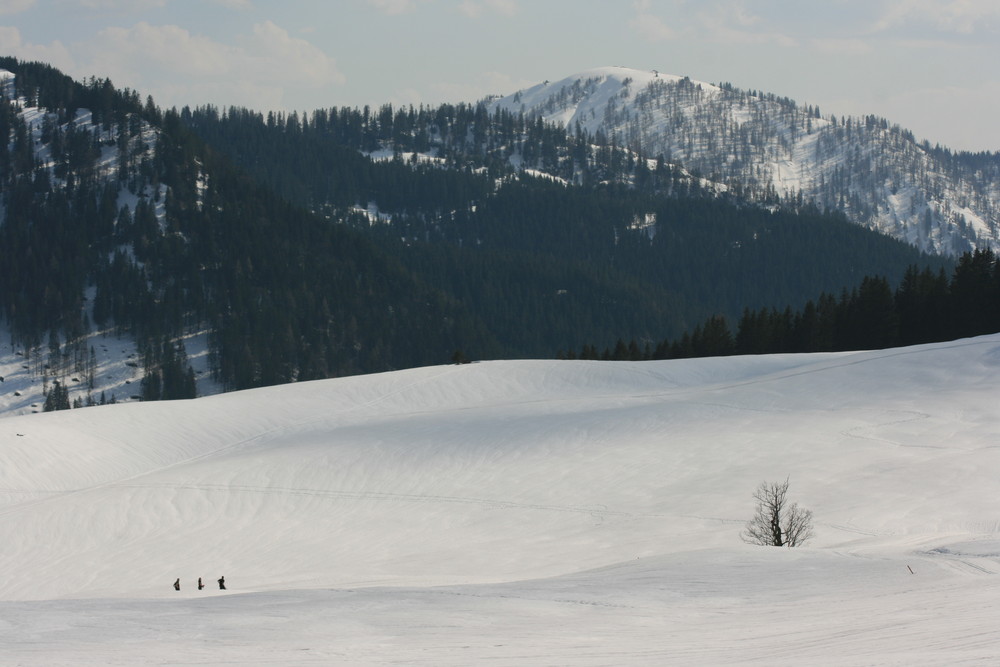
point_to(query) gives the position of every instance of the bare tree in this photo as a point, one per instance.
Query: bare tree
(776, 523)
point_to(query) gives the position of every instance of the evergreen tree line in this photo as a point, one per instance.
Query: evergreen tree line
(542, 264)
(454, 155)
(242, 224)
(287, 295)
(57, 398)
(926, 307)
(533, 262)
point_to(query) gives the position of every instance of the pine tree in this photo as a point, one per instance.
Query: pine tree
(57, 398)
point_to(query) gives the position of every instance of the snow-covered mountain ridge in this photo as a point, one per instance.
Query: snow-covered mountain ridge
(877, 173)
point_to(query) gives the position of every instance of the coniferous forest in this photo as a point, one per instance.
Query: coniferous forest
(348, 241)
(286, 295)
(632, 245)
(926, 307)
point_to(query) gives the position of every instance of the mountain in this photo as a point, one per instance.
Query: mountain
(877, 173)
(121, 230)
(546, 238)
(149, 254)
(517, 513)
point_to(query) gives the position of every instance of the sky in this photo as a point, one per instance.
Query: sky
(928, 65)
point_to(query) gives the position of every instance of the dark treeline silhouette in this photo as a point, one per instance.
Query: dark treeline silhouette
(926, 307)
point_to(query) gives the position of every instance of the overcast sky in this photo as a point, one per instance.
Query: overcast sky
(928, 65)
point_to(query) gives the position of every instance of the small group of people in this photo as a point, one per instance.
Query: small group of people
(222, 584)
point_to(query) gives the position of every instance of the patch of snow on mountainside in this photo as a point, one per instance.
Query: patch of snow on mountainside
(109, 368)
(875, 173)
(6, 83)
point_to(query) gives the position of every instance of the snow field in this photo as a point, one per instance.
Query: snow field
(519, 512)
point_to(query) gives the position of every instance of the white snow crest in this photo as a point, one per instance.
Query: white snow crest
(858, 165)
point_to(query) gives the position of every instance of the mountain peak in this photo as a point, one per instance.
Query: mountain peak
(872, 170)
(584, 96)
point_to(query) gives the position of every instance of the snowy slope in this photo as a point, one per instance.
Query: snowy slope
(588, 97)
(522, 512)
(117, 375)
(878, 174)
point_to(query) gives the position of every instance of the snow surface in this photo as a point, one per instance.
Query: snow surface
(585, 96)
(517, 513)
(25, 375)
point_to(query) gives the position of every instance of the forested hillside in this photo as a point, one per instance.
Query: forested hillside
(925, 307)
(868, 168)
(350, 241)
(121, 218)
(626, 244)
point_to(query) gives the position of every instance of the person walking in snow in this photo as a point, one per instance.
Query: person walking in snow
(200, 585)
(222, 583)
(177, 584)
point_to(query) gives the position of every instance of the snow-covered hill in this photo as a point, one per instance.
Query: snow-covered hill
(521, 512)
(878, 174)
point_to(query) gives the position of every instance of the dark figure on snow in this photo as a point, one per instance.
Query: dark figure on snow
(200, 585)
(222, 583)
(177, 584)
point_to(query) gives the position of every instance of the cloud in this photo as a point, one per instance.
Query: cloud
(721, 21)
(284, 57)
(649, 26)
(130, 5)
(393, 7)
(951, 16)
(730, 23)
(55, 54)
(260, 69)
(226, 92)
(930, 113)
(841, 46)
(139, 5)
(475, 10)
(123, 51)
(14, 6)
(487, 83)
